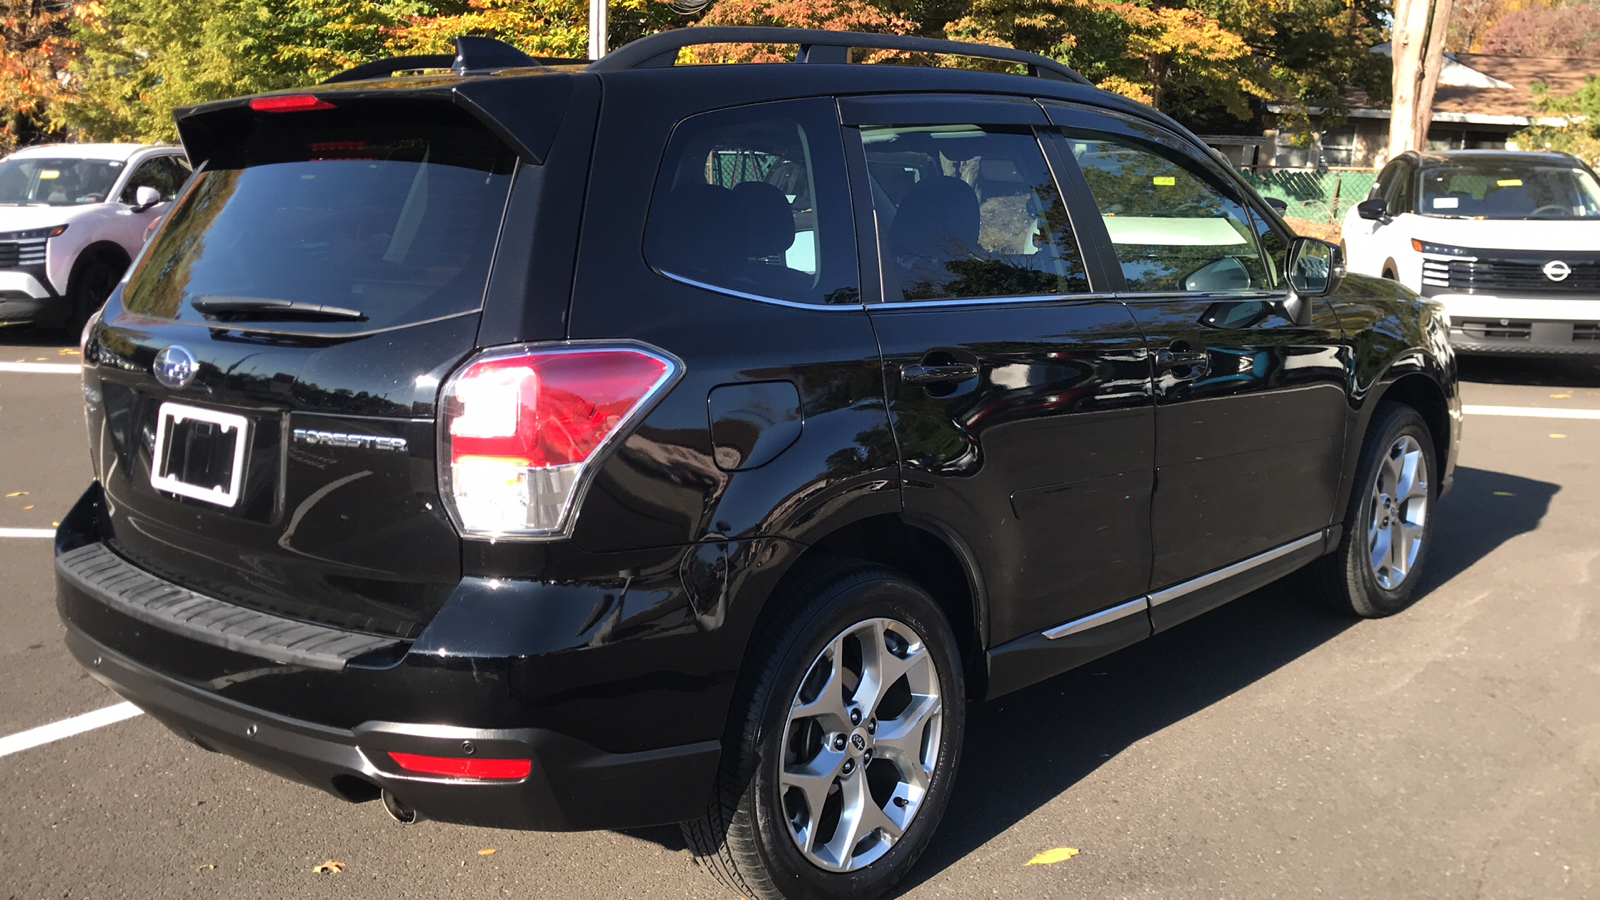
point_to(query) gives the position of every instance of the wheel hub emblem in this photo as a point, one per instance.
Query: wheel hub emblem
(1557, 270)
(174, 366)
(859, 742)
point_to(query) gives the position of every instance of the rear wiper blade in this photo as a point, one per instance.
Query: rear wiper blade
(266, 308)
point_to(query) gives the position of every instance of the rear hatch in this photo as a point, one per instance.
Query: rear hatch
(262, 392)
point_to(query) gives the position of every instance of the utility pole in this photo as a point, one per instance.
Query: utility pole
(1417, 45)
(597, 28)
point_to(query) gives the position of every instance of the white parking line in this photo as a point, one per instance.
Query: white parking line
(27, 532)
(55, 731)
(58, 368)
(1531, 412)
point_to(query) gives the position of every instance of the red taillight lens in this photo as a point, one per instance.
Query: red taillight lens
(520, 426)
(467, 767)
(289, 103)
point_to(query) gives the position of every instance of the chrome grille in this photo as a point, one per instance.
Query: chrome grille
(1519, 276)
(21, 253)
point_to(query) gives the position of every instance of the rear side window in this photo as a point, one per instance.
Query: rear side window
(388, 215)
(753, 200)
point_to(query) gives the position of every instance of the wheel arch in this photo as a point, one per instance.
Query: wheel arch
(1421, 382)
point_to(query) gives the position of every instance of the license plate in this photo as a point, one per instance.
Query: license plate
(199, 453)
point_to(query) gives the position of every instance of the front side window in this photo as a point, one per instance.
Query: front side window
(157, 173)
(965, 212)
(754, 200)
(1171, 227)
(1509, 188)
(37, 181)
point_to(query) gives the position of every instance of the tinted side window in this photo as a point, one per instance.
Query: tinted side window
(754, 200)
(965, 211)
(156, 173)
(1380, 188)
(1398, 198)
(1172, 228)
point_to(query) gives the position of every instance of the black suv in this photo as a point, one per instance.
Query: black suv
(571, 446)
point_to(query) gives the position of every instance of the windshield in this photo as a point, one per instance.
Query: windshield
(387, 219)
(40, 181)
(1509, 189)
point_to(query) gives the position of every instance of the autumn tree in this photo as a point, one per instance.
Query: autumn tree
(1570, 29)
(1579, 134)
(546, 28)
(36, 46)
(825, 15)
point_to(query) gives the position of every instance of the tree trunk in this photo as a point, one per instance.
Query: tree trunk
(1419, 33)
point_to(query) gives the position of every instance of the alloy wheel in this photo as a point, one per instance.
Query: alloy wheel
(860, 745)
(1399, 512)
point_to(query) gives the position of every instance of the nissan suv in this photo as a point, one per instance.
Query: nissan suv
(569, 446)
(71, 217)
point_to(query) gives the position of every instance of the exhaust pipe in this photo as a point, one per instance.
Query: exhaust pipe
(398, 810)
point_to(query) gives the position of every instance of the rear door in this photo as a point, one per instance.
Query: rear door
(1019, 395)
(1250, 407)
(262, 391)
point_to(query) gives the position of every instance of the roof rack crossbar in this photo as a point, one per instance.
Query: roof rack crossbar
(827, 47)
(474, 56)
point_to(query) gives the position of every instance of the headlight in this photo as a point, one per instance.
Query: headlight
(33, 234)
(1439, 249)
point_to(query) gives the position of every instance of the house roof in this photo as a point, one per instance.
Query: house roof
(1489, 89)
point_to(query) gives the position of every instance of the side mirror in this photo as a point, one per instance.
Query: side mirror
(1315, 269)
(1279, 206)
(1374, 209)
(144, 198)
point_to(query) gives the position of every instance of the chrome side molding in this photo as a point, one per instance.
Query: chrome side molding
(1156, 598)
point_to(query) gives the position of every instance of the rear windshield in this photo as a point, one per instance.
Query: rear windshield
(347, 221)
(1510, 189)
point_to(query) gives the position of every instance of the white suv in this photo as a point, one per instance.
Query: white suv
(72, 216)
(1508, 242)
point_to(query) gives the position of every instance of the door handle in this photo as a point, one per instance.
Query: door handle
(953, 372)
(1182, 359)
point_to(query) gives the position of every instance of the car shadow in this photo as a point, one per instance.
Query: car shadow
(1026, 748)
(35, 336)
(1558, 372)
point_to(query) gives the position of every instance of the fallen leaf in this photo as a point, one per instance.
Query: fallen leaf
(488, 852)
(1560, 396)
(28, 507)
(16, 494)
(1504, 494)
(67, 351)
(331, 867)
(1051, 857)
(42, 359)
(1559, 436)
(206, 866)
(55, 524)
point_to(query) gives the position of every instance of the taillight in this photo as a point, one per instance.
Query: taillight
(289, 103)
(464, 767)
(521, 428)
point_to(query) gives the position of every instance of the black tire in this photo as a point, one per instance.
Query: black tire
(1347, 579)
(92, 281)
(744, 839)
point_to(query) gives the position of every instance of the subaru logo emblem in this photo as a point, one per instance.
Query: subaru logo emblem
(1556, 270)
(174, 366)
(859, 741)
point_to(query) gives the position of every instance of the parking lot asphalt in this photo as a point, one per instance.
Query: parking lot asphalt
(1267, 749)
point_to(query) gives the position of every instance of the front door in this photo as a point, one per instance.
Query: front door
(1020, 397)
(1250, 407)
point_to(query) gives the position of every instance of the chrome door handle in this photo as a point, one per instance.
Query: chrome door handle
(920, 374)
(1182, 359)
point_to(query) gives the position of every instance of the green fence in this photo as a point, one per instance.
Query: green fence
(1313, 196)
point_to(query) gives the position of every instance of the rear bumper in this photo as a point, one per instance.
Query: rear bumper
(572, 785)
(616, 738)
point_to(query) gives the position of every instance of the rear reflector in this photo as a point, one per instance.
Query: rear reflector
(520, 427)
(289, 103)
(467, 767)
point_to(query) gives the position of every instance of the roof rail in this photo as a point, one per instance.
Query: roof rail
(474, 56)
(661, 50)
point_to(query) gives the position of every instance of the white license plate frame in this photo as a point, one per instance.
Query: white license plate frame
(169, 416)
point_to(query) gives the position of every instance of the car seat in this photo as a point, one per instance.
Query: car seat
(938, 221)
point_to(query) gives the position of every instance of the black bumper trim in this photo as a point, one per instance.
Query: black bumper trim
(572, 786)
(108, 578)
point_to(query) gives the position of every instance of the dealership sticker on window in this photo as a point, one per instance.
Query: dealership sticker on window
(1447, 203)
(1510, 182)
(49, 175)
(1165, 180)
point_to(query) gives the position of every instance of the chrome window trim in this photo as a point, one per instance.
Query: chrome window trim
(989, 301)
(1103, 617)
(1190, 295)
(792, 304)
(1217, 576)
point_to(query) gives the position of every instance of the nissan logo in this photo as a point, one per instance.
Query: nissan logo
(174, 366)
(1556, 270)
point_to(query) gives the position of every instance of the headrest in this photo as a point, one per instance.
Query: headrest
(765, 218)
(939, 218)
